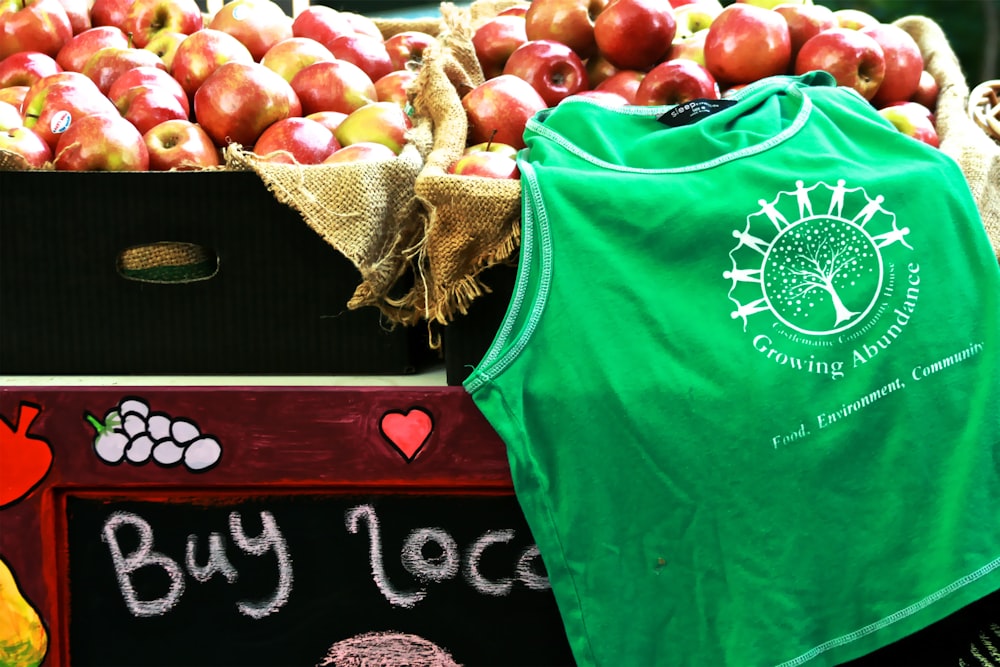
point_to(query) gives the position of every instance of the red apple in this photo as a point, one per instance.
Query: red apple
(25, 142)
(927, 91)
(10, 116)
(335, 85)
(181, 145)
(146, 18)
(514, 10)
(331, 120)
(485, 164)
(691, 47)
(568, 21)
(202, 53)
(111, 62)
(603, 97)
(33, 25)
(109, 12)
(165, 45)
(296, 141)
(78, 13)
(676, 82)
(903, 63)
(854, 19)
(805, 21)
(771, 4)
(552, 68)
(635, 34)
(853, 58)
(363, 25)
(366, 52)
(101, 142)
(496, 39)
(322, 23)
(379, 122)
(746, 43)
(492, 147)
(624, 82)
(289, 56)
(500, 108)
(406, 48)
(13, 95)
(25, 67)
(912, 119)
(258, 24)
(78, 50)
(395, 86)
(148, 106)
(362, 151)
(148, 76)
(238, 101)
(599, 69)
(53, 104)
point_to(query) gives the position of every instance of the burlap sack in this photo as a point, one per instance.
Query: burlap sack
(961, 138)
(472, 222)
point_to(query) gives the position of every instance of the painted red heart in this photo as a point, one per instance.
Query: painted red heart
(407, 430)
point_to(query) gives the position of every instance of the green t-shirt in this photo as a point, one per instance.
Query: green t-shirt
(749, 379)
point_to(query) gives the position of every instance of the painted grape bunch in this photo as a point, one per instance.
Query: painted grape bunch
(132, 432)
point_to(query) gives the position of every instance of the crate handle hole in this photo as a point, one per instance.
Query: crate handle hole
(168, 262)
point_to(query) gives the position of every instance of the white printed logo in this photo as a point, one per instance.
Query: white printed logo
(810, 268)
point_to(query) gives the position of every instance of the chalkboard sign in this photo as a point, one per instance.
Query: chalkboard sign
(291, 577)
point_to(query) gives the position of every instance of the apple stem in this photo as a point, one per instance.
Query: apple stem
(130, 39)
(489, 143)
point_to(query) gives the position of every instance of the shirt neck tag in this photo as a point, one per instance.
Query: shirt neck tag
(693, 111)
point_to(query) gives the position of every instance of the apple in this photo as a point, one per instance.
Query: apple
(363, 25)
(485, 164)
(109, 13)
(78, 13)
(181, 145)
(568, 21)
(165, 45)
(912, 119)
(25, 142)
(10, 116)
(335, 85)
(695, 17)
(25, 67)
(146, 18)
(603, 97)
(148, 106)
(56, 102)
(599, 69)
(111, 62)
(395, 87)
(691, 47)
(406, 48)
(322, 23)
(101, 142)
(805, 21)
(202, 53)
(379, 122)
(927, 91)
(289, 56)
(676, 82)
(33, 25)
(853, 58)
(14, 95)
(746, 43)
(238, 101)
(258, 24)
(492, 147)
(364, 51)
(854, 19)
(331, 120)
(363, 151)
(296, 141)
(499, 109)
(514, 10)
(148, 76)
(635, 34)
(552, 68)
(771, 4)
(624, 82)
(496, 39)
(77, 51)
(903, 63)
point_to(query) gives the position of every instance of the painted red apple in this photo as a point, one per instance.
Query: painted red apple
(635, 34)
(27, 458)
(746, 43)
(853, 58)
(552, 68)
(499, 110)
(676, 82)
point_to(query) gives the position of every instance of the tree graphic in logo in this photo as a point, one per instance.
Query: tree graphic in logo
(812, 257)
